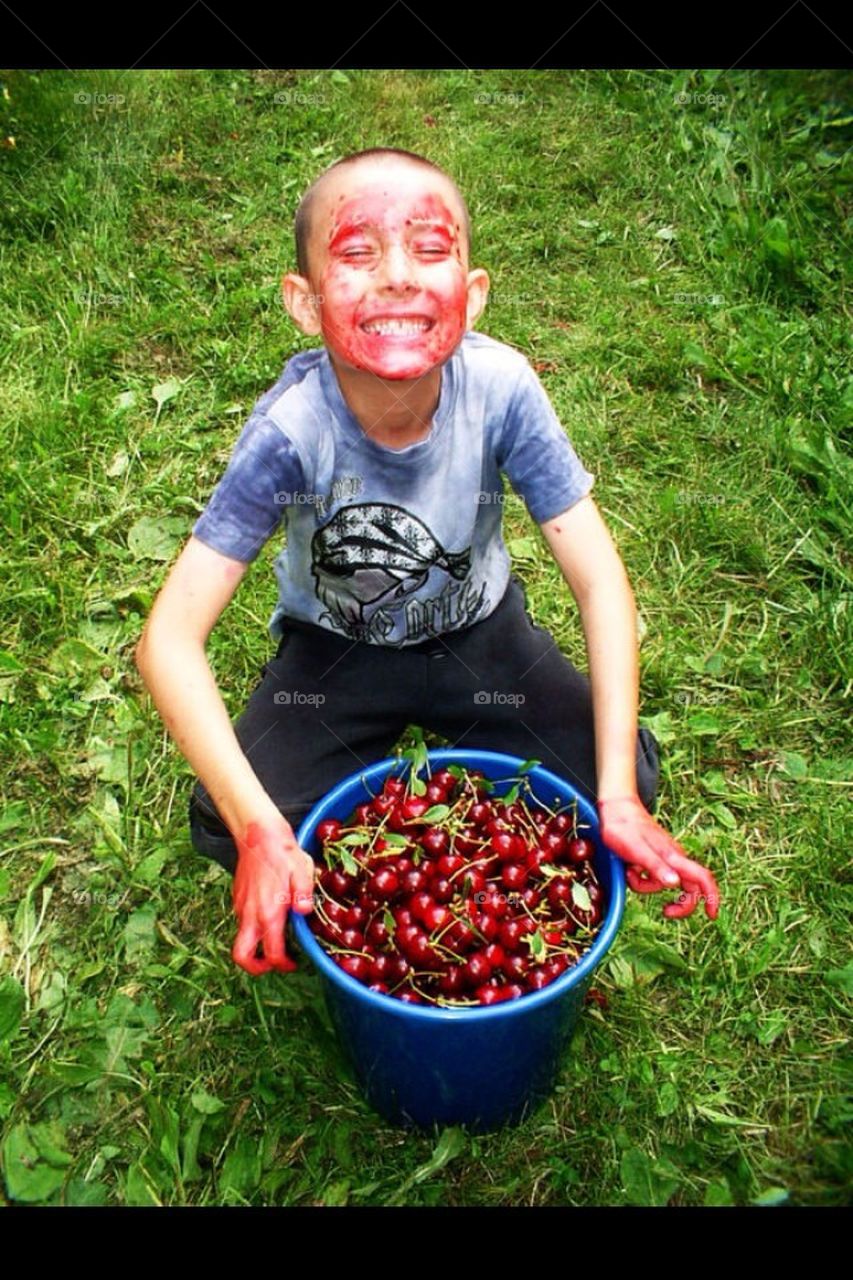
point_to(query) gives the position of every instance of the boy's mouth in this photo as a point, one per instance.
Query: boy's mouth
(397, 326)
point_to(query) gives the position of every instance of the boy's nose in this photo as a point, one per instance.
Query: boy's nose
(397, 269)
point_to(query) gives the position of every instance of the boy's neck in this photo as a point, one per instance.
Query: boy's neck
(392, 412)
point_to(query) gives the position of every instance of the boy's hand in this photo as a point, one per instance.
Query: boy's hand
(273, 875)
(655, 860)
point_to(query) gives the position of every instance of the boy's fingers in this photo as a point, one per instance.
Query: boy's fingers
(302, 885)
(685, 906)
(243, 951)
(641, 882)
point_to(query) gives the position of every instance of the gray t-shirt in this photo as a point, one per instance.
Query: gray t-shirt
(391, 546)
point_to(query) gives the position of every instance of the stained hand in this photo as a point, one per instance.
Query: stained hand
(655, 860)
(273, 876)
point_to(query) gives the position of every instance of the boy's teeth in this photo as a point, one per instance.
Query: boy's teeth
(397, 326)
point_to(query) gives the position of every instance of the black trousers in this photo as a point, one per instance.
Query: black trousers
(327, 706)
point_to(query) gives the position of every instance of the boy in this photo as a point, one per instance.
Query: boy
(383, 449)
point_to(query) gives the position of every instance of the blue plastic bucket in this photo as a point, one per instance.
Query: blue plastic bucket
(483, 1067)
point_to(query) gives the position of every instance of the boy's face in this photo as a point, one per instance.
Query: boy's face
(389, 269)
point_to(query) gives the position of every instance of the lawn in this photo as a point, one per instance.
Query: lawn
(670, 251)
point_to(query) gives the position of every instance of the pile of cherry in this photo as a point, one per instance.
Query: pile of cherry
(436, 893)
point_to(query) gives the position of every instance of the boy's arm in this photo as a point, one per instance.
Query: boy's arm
(588, 560)
(272, 872)
(171, 659)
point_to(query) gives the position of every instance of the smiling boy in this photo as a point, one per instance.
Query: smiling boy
(384, 451)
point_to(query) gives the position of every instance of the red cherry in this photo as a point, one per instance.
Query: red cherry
(377, 932)
(382, 804)
(352, 939)
(560, 822)
(356, 966)
(514, 875)
(435, 794)
(487, 994)
(538, 977)
(435, 841)
(327, 830)
(444, 778)
(414, 807)
(381, 988)
(450, 862)
(580, 850)
(394, 786)
(362, 814)
(559, 892)
(489, 926)
(383, 884)
(419, 904)
(442, 889)
(495, 955)
(381, 968)
(451, 982)
(479, 814)
(414, 881)
(355, 917)
(411, 997)
(436, 917)
(341, 884)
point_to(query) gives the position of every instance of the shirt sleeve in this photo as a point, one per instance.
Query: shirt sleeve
(259, 483)
(537, 455)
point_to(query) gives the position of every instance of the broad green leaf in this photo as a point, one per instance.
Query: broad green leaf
(772, 1196)
(794, 765)
(206, 1103)
(83, 1194)
(648, 1182)
(717, 1193)
(164, 392)
(437, 813)
(667, 1099)
(241, 1171)
(155, 537)
(580, 896)
(451, 1144)
(138, 1188)
(49, 1140)
(12, 1002)
(29, 1178)
(140, 934)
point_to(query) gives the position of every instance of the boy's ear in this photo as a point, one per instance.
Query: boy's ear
(301, 303)
(478, 292)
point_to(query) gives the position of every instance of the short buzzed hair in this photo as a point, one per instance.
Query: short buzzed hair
(302, 220)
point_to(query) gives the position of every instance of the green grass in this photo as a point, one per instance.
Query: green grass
(677, 271)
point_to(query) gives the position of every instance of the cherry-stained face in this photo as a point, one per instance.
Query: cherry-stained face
(393, 281)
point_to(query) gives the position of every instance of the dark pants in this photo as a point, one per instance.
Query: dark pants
(327, 706)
